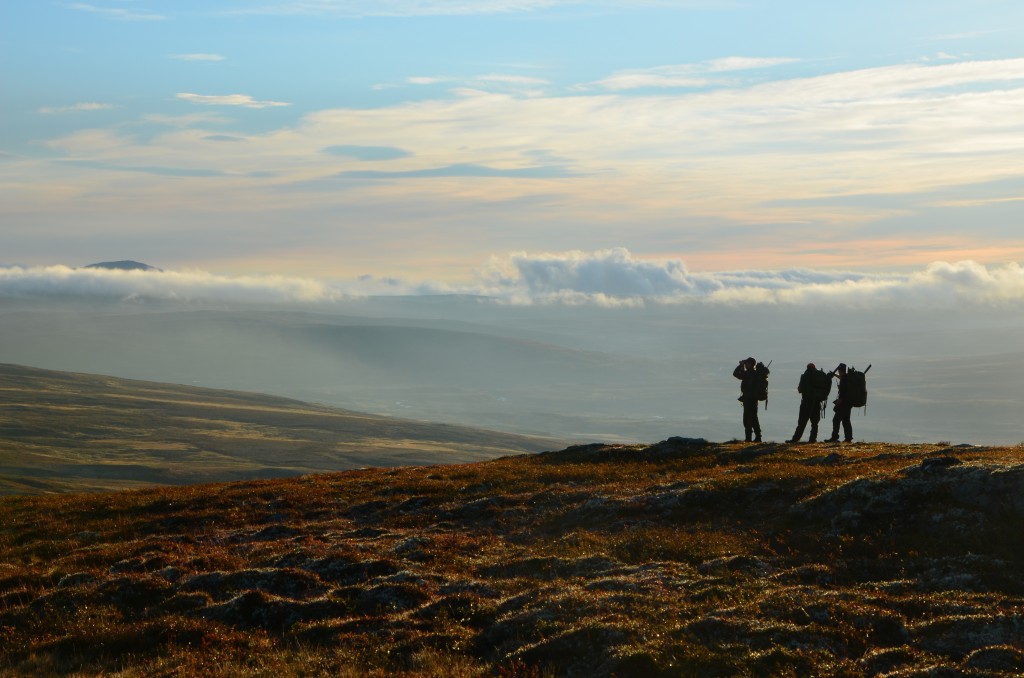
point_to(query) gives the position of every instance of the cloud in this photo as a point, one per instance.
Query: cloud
(523, 84)
(148, 169)
(689, 172)
(185, 286)
(198, 57)
(228, 100)
(512, 79)
(116, 13)
(615, 277)
(367, 153)
(608, 278)
(76, 108)
(412, 8)
(687, 75)
(462, 170)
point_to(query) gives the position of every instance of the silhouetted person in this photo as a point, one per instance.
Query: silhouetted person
(842, 410)
(810, 405)
(745, 372)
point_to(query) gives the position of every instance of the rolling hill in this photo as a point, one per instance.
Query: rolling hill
(679, 559)
(62, 431)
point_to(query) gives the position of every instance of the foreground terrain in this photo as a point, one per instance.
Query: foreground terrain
(684, 558)
(61, 431)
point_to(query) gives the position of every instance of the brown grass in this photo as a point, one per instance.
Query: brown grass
(677, 559)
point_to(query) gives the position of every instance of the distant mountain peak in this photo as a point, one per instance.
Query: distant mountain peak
(127, 265)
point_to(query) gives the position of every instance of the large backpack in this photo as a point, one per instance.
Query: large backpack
(761, 373)
(856, 388)
(820, 385)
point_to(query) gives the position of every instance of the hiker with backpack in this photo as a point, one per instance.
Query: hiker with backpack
(753, 378)
(842, 407)
(814, 387)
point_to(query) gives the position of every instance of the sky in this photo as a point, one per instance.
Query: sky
(552, 148)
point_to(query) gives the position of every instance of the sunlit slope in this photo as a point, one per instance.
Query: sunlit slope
(64, 431)
(679, 559)
(441, 371)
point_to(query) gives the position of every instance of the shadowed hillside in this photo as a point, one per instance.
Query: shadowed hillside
(684, 558)
(75, 432)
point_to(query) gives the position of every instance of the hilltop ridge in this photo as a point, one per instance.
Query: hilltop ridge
(682, 558)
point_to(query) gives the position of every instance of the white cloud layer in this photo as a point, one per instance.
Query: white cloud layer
(228, 100)
(603, 278)
(186, 286)
(615, 277)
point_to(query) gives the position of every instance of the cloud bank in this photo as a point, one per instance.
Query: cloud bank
(609, 278)
(186, 286)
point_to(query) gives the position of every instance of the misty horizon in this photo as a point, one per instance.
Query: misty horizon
(590, 366)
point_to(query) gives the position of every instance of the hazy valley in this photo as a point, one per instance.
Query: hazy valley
(62, 432)
(567, 372)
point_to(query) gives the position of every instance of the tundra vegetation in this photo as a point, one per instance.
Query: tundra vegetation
(682, 558)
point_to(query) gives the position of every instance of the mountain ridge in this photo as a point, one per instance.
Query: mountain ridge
(124, 265)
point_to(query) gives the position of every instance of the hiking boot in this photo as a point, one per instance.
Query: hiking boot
(833, 439)
(757, 438)
(812, 439)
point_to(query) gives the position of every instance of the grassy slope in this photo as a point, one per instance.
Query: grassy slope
(677, 559)
(74, 432)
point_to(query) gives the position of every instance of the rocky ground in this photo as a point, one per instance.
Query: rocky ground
(683, 558)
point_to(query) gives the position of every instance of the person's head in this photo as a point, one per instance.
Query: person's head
(811, 367)
(841, 369)
(750, 362)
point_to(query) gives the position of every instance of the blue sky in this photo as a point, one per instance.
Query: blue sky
(426, 139)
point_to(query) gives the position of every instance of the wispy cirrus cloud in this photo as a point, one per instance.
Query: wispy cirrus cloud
(686, 75)
(410, 8)
(523, 84)
(367, 153)
(83, 107)
(116, 13)
(243, 100)
(198, 57)
(463, 170)
(845, 164)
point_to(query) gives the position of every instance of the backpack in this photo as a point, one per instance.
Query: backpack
(820, 385)
(856, 390)
(761, 373)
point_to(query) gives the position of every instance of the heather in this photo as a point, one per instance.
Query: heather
(683, 558)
